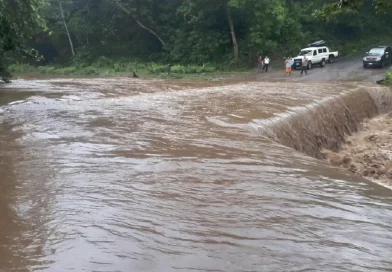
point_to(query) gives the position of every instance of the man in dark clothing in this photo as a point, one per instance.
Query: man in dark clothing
(259, 63)
(304, 65)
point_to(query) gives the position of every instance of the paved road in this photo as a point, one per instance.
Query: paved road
(345, 69)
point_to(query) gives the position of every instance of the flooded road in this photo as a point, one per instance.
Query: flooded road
(136, 175)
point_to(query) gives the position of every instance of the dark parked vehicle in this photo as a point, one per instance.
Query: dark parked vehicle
(378, 57)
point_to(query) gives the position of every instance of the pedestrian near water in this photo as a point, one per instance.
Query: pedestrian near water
(266, 63)
(259, 63)
(304, 65)
(289, 64)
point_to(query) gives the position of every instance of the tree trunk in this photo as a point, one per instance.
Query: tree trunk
(88, 14)
(140, 24)
(149, 30)
(66, 28)
(233, 37)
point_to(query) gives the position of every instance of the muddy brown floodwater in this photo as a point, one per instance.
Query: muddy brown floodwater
(369, 152)
(148, 175)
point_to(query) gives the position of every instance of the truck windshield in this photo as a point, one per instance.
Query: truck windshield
(305, 53)
(376, 51)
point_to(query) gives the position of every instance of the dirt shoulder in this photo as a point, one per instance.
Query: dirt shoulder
(368, 153)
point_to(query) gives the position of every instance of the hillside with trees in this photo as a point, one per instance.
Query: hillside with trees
(119, 35)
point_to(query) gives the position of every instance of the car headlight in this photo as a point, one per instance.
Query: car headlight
(364, 58)
(378, 59)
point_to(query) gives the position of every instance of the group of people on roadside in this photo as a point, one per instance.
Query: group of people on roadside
(262, 64)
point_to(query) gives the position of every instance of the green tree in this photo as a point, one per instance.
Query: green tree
(221, 32)
(274, 26)
(337, 7)
(206, 29)
(138, 9)
(18, 20)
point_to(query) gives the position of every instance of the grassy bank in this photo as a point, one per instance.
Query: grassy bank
(388, 79)
(122, 67)
(81, 65)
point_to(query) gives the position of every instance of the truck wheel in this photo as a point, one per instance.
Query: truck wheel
(309, 65)
(331, 59)
(322, 64)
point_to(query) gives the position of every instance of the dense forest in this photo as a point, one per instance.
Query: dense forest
(224, 34)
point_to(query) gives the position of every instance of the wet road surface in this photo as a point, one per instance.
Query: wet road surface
(344, 69)
(148, 175)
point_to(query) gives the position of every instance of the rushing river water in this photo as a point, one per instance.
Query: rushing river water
(131, 175)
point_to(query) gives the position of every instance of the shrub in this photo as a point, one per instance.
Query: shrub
(22, 68)
(178, 69)
(388, 79)
(87, 71)
(103, 62)
(46, 69)
(208, 69)
(160, 69)
(65, 70)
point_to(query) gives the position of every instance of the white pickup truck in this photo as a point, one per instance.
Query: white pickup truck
(316, 55)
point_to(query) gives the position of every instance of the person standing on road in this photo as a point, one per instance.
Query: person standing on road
(289, 64)
(259, 63)
(304, 65)
(266, 63)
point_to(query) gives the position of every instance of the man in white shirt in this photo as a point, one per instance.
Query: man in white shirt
(266, 63)
(304, 65)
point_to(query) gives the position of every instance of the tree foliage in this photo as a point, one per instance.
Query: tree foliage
(18, 19)
(338, 7)
(186, 31)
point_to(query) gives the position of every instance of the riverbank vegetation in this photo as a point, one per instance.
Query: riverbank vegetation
(388, 79)
(116, 67)
(18, 21)
(106, 37)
